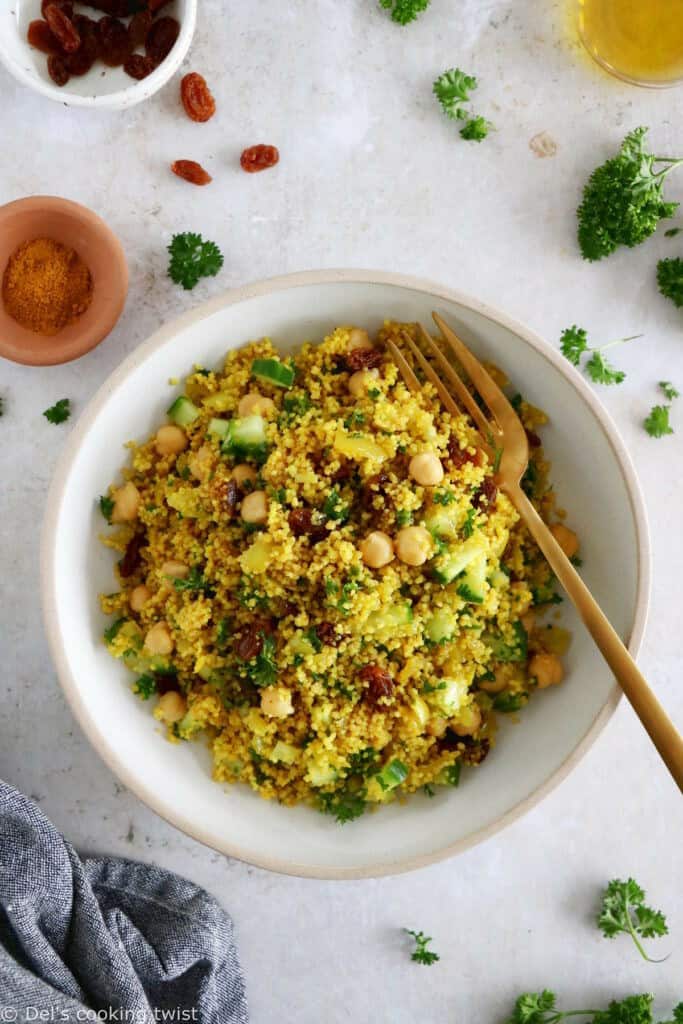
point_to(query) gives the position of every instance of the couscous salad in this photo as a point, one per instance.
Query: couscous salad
(319, 575)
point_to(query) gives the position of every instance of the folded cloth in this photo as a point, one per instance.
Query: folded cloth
(106, 939)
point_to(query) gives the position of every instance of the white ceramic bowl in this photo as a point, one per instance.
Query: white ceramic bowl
(109, 88)
(594, 480)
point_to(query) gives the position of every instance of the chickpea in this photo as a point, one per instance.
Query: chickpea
(171, 708)
(413, 545)
(377, 549)
(436, 726)
(358, 338)
(126, 503)
(469, 723)
(138, 598)
(426, 469)
(158, 639)
(176, 570)
(170, 440)
(566, 538)
(546, 669)
(200, 462)
(255, 507)
(276, 702)
(361, 381)
(244, 474)
(255, 404)
(501, 680)
(528, 620)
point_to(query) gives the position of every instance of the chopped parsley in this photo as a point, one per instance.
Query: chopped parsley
(468, 525)
(344, 804)
(404, 517)
(421, 954)
(192, 258)
(145, 686)
(623, 910)
(111, 632)
(262, 670)
(452, 89)
(476, 129)
(363, 762)
(669, 390)
(334, 508)
(443, 497)
(222, 633)
(452, 774)
(106, 506)
(404, 11)
(656, 423)
(194, 581)
(622, 201)
(59, 412)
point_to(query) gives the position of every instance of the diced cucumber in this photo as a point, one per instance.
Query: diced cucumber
(471, 585)
(392, 775)
(219, 428)
(502, 650)
(449, 564)
(188, 726)
(499, 579)
(450, 697)
(389, 619)
(274, 372)
(441, 625)
(284, 753)
(441, 521)
(256, 558)
(183, 411)
(246, 438)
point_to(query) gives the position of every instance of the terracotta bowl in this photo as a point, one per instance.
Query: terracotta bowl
(99, 248)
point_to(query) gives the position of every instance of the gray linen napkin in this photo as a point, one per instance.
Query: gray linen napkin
(104, 939)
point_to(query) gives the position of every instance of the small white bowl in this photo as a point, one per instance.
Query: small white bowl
(103, 87)
(594, 480)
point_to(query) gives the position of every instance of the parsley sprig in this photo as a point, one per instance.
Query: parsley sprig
(622, 201)
(574, 343)
(657, 423)
(404, 11)
(452, 89)
(670, 279)
(623, 909)
(421, 954)
(541, 1008)
(59, 412)
(192, 258)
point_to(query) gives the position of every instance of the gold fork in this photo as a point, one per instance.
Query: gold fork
(505, 442)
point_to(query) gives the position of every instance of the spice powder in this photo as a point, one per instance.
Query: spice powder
(46, 286)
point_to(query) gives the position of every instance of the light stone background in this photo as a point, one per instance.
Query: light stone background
(372, 175)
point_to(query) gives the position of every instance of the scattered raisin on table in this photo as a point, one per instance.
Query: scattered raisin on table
(132, 558)
(57, 70)
(139, 66)
(138, 28)
(258, 158)
(63, 28)
(114, 45)
(190, 170)
(196, 98)
(363, 359)
(41, 36)
(161, 38)
(380, 683)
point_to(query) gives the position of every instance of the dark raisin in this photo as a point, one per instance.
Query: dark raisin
(138, 28)
(363, 359)
(345, 472)
(227, 495)
(64, 5)
(138, 66)
(327, 634)
(380, 684)
(41, 36)
(486, 494)
(250, 644)
(477, 751)
(132, 558)
(372, 487)
(114, 46)
(460, 456)
(302, 525)
(533, 439)
(259, 158)
(89, 32)
(57, 70)
(165, 683)
(161, 38)
(63, 28)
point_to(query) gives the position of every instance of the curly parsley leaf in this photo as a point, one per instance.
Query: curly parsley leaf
(421, 954)
(262, 669)
(541, 1008)
(192, 258)
(622, 201)
(404, 11)
(670, 280)
(452, 89)
(669, 390)
(600, 371)
(468, 525)
(106, 506)
(194, 581)
(623, 909)
(476, 129)
(657, 422)
(364, 762)
(59, 412)
(573, 343)
(111, 632)
(145, 686)
(344, 805)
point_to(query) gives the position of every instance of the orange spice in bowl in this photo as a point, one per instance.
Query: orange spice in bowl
(46, 286)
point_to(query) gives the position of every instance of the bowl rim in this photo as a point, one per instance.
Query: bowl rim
(122, 99)
(60, 352)
(49, 539)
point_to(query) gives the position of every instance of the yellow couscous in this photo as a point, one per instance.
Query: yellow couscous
(319, 575)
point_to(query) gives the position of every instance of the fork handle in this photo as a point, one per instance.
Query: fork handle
(658, 725)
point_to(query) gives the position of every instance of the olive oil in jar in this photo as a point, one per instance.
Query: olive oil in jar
(639, 40)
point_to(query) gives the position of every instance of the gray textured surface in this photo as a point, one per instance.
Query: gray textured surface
(371, 175)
